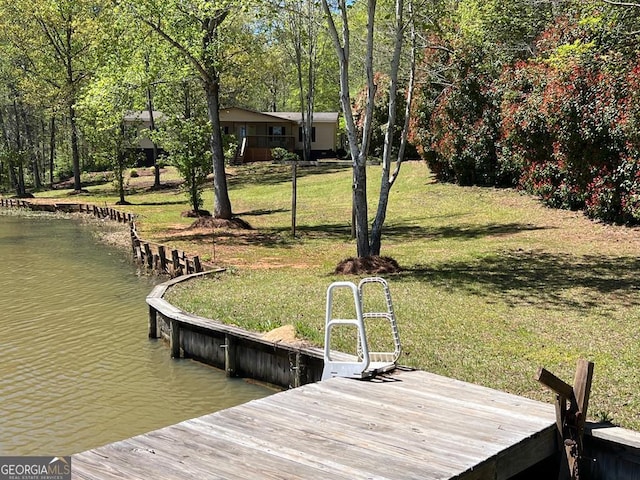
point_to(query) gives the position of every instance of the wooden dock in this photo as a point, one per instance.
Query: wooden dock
(411, 424)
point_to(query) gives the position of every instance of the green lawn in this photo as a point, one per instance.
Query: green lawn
(494, 284)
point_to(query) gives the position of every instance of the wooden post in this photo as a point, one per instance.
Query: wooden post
(137, 249)
(174, 339)
(162, 255)
(197, 264)
(153, 322)
(229, 356)
(177, 268)
(571, 419)
(582, 390)
(134, 237)
(149, 255)
(296, 370)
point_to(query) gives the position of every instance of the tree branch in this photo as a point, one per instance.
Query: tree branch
(177, 45)
(622, 4)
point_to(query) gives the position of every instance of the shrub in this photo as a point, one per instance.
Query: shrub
(280, 154)
(464, 127)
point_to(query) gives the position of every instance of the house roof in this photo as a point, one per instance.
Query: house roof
(234, 113)
(318, 117)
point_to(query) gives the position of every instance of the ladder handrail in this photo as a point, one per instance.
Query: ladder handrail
(364, 363)
(330, 322)
(389, 314)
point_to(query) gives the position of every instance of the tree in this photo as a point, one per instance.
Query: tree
(186, 141)
(104, 106)
(194, 29)
(359, 141)
(299, 32)
(57, 40)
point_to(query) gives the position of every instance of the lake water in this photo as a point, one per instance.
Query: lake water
(77, 369)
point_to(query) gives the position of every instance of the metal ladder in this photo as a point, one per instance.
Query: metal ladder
(363, 364)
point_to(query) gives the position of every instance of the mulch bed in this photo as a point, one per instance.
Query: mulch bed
(368, 265)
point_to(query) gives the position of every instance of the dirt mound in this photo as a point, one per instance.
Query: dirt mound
(285, 333)
(211, 222)
(369, 265)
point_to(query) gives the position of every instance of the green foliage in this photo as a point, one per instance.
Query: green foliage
(563, 124)
(279, 155)
(230, 147)
(570, 120)
(462, 129)
(381, 117)
(187, 144)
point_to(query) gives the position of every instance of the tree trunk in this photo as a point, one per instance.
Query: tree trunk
(388, 178)
(121, 177)
(294, 195)
(121, 158)
(52, 147)
(31, 147)
(193, 185)
(13, 176)
(75, 152)
(222, 204)
(21, 190)
(385, 184)
(361, 214)
(358, 147)
(19, 176)
(152, 128)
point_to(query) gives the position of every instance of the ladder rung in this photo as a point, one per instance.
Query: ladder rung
(377, 315)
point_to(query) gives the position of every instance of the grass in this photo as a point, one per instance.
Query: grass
(494, 284)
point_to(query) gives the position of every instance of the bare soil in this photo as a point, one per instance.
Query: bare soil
(284, 334)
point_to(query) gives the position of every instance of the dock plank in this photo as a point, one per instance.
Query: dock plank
(409, 425)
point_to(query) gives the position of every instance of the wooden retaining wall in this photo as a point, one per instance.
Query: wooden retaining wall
(161, 259)
(96, 211)
(153, 256)
(239, 352)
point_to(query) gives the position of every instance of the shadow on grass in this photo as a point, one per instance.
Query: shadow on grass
(541, 279)
(235, 238)
(166, 202)
(342, 231)
(260, 212)
(274, 238)
(463, 232)
(273, 174)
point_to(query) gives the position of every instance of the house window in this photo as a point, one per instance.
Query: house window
(313, 134)
(225, 129)
(276, 131)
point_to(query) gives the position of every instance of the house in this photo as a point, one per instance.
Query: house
(259, 132)
(141, 122)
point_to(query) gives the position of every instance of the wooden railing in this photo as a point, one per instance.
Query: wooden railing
(153, 256)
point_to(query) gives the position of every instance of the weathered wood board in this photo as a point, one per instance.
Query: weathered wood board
(411, 424)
